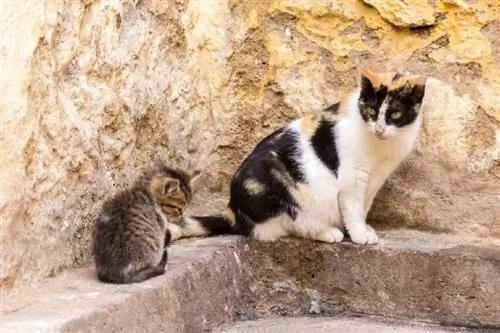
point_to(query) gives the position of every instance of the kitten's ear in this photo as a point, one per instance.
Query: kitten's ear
(370, 80)
(161, 186)
(171, 186)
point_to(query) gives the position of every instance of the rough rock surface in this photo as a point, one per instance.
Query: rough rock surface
(413, 13)
(331, 325)
(91, 90)
(406, 277)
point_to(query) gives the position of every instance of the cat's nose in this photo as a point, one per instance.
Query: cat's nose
(380, 132)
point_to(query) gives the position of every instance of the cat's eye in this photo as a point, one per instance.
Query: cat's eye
(371, 111)
(396, 115)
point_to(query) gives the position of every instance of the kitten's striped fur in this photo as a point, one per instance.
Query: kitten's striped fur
(320, 173)
(131, 235)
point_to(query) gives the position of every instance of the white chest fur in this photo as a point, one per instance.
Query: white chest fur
(319, 216)
(366, 158)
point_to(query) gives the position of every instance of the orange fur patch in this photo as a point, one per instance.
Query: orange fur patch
(373, 76)
(332, 117)
(309, 124)
(386, 78)
(378, 78)
(409, 81)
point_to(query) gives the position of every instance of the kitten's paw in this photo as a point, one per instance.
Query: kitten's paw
(332, 235)
(363, 234)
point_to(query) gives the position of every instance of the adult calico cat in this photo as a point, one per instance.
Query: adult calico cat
(320, 173)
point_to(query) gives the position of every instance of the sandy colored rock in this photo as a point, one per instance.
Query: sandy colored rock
(92, 90)
(412, 13)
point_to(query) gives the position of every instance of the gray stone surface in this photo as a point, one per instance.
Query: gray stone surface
(194, 294)
(332, 325)
(410, 275)
(215, 281)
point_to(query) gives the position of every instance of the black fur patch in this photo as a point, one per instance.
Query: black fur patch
(218, 225)
(244, 225)
(334, 108)
(371, 98)
(367, 88)
(323, 142)
(397, 76)
(160, 269)
(283, 143)
(406, 100)
(273, 155)
(286, 147)
(168, 238)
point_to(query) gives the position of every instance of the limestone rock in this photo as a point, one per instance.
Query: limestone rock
(409, 13)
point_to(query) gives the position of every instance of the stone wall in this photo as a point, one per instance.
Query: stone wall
(91, 91)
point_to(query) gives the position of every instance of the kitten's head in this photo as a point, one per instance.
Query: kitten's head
(390, 102)
(171, 190)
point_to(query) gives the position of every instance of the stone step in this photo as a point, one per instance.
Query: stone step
(410, 275)
(214, 281)
(334, 325)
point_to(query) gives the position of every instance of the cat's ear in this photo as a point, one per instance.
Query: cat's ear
(416, 80)
(416, 86)
(161, 186)
(370, 80)
(171, 186)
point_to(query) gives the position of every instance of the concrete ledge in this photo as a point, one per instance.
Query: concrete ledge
(214, 281)
(415, 276)
(338, 324)
(198, 292)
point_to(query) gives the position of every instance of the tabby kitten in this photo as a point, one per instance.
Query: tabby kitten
(131, 235)
(319, 174)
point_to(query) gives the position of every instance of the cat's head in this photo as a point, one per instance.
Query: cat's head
(390, 102)
(171, 190)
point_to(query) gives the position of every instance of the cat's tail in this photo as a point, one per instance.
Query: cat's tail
(135, 275)
(224, 223)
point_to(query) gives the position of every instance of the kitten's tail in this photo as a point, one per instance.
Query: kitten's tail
(110, 276)
(212, 225)
(149, 272)
(133, 276)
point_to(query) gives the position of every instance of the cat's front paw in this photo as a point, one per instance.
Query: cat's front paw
(331, 235)
(363, 234)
